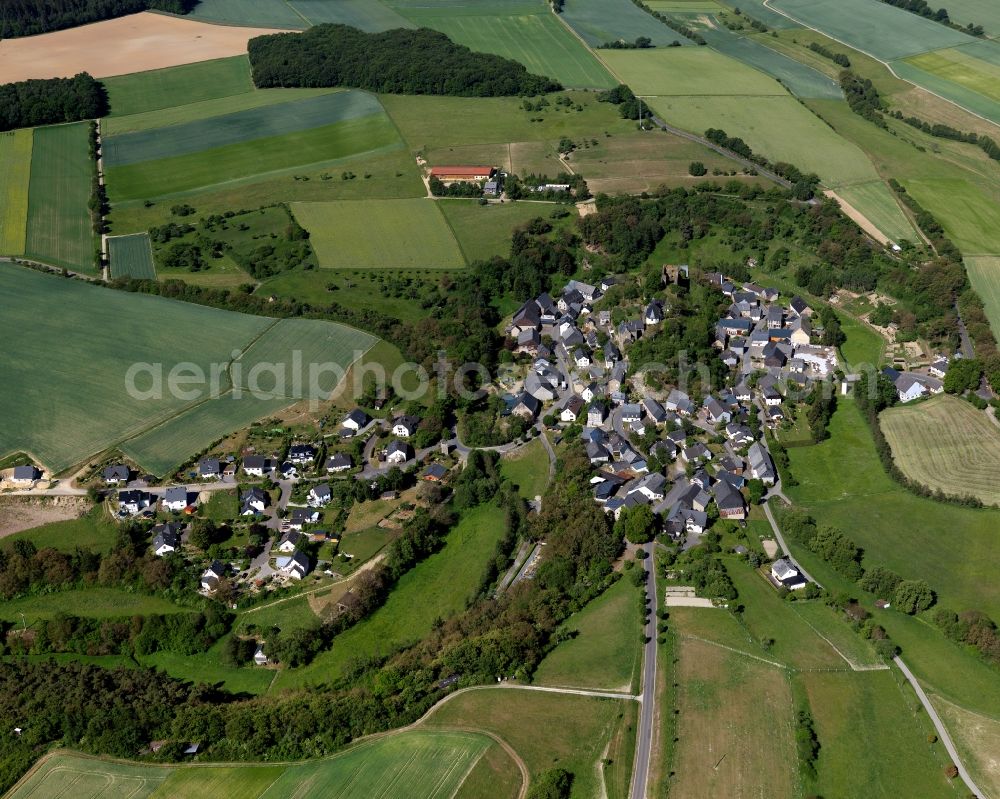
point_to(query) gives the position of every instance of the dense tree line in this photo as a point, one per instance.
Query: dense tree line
(398, 61)
(670, 22)
(629, 106)
(182, 633)
(826, 52)
(972, 628)
(29, 17)
(105, 711)
(937, 14)
(29, 103)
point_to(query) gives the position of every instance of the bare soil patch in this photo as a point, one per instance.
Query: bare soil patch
(25, 514)
(135, 43)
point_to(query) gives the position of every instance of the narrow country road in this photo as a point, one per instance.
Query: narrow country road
(939, 726)
(647, 710)
(784, 547)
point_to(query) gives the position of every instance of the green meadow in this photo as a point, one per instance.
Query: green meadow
(380, 234)
(131, 256)
(87, 374)
(15, 173)
(602, 21)
(59, 229)
(177, 86)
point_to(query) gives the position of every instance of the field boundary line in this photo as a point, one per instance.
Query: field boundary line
(886, 64)
(782, 666)
(854, 666)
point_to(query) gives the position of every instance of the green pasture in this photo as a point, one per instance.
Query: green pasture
(602, 21)
(527, 468)
(984, 274)
(98, 603)
(873, 738)
(211, 668)
(427, 123)
(94, 530)
(269, 121)
(436, 588)
(769, 617)
(325, 350)
(605, 652)
(367, 15)
(485, 230)
(59, 229)
(539, 41)
(876, 28)
(15, 175)
(958, 89)
(59, 414)
(945, 444)
(547, 730)
(203, 109)
(358, 289)
(251, 13)
(416, 8)
(778, 127)
(835, 627)
(757, 10)
(863, 344)
(380, 234)
(975, 66)
(689, 72)
(876, 200)
(415, 763)
(978, 12)
(841, 481)
(800, 79)
(323, 146)
(969, 212)
(131, 256)
(178, 86)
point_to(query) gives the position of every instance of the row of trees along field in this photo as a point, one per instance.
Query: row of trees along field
(398, 61)
(29, 103)
(28, 17)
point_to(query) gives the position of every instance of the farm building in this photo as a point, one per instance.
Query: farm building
(460, 174)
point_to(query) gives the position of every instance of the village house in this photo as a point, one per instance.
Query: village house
(209, 469)
(398, 452)
(405, 426)
(434, 473)
(340, 462)
(289, 541)
(356, 420)
(255, 465)
(319, 495)
(131, 502)
(116, 473)
(462, 174)
(211, 576)
(295, 566)
(786, 575)
(166, 539)
(302, 454)
(571, 409)
(175, 498)
(527, 407)
(300, 517)
(253, 501)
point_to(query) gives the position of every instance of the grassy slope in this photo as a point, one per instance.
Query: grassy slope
(539, 41)
(380, 234)
(59, 229)
(547, 730)
(528, 469)
(251, 159)
(436, 587)
(132, 256)
(483, 231)
(15, 175)
(605, 653)
(192, 83)
(842, 483)
(91, 531)
(945, 444)
(725, 749)
(91, 602)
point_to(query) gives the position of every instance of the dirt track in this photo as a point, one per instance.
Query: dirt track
(863, 221)
(134, 43)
